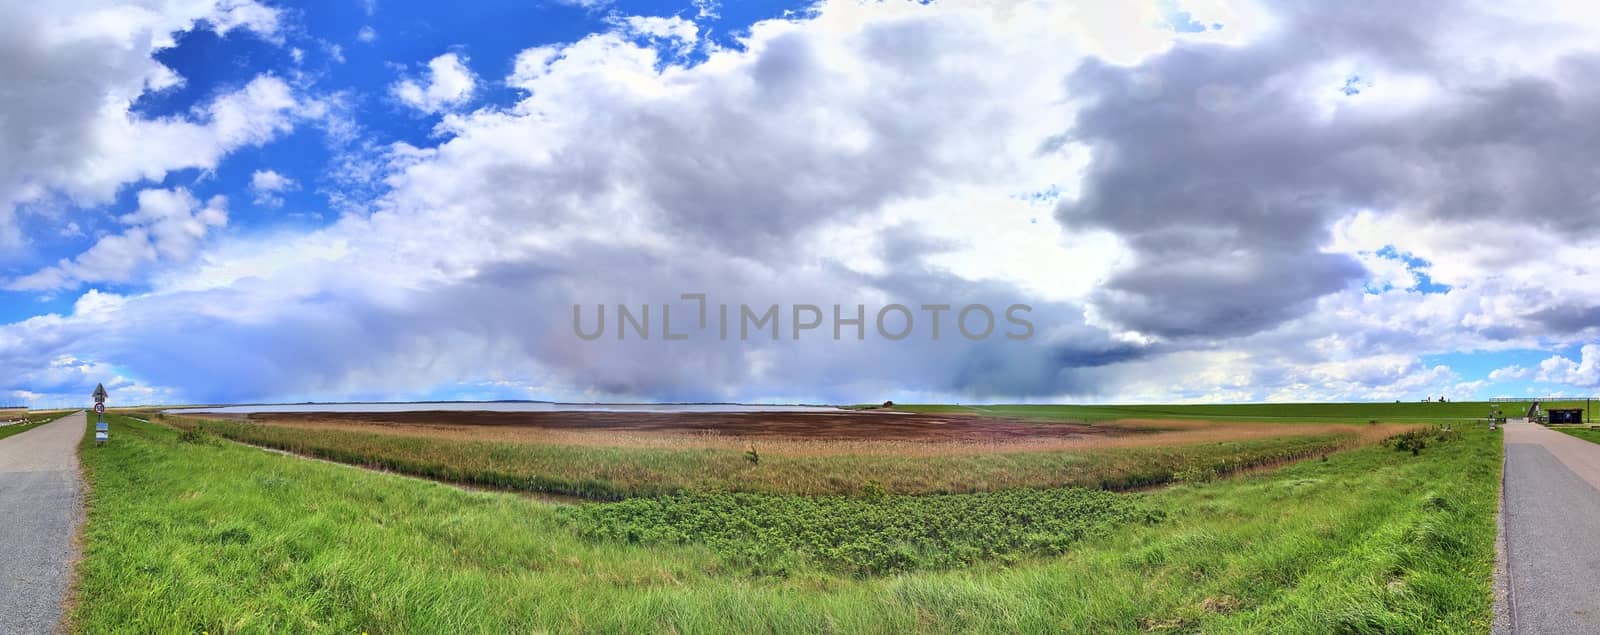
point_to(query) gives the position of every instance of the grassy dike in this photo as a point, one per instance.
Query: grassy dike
(203, 535)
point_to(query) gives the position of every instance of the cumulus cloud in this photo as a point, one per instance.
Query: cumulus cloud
(525, 212)
(1226, 167)
(168, 226)
(1223, 215)
(69, 74)
(1583, 372)
(449, 83)
(269, 187)
(1510, 373)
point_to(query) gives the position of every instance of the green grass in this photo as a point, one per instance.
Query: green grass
(871, 535)
(1587, 434)
(42, 419)
(610, 473)
(216, 537)
(1385, 412)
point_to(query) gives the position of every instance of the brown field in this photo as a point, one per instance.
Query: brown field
(804, 434)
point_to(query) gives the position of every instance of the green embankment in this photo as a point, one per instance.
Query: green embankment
(201, 535)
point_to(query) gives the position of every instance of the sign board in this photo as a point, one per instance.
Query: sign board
(102, 427)
(100, 408)
(101, 437)
(99, 393)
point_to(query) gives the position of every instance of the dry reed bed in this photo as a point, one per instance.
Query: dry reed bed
(1139, 433)
(613, 472)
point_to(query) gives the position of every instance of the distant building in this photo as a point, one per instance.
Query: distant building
(1566, 415)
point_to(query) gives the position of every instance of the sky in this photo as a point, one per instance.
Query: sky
(240, 201)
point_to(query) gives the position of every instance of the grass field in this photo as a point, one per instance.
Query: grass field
(1385, 412)
(1587, 434)
(187, 533)
(37, 418)
(611, 473)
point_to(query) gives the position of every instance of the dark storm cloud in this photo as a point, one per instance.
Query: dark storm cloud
(1224, 170)
(1568, 318)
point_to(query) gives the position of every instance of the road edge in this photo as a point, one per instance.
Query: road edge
(1505, 605)
(69, 601)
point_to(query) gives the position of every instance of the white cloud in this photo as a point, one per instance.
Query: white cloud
(168, 226)
(587, 4)
(269, 181)
(78, 138)
(880, 152)
(367, 35)
(707, 9)
(1510, 373)
(1585, 372)
(449, 84)
(247, 14)
(269, 187)
(674, 30)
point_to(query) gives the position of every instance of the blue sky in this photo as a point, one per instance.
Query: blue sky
(261, 200)
(335, 59)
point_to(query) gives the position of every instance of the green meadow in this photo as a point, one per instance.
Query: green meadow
(190, 533)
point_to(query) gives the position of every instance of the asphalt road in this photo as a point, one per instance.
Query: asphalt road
(1551, 517)
(40, 510)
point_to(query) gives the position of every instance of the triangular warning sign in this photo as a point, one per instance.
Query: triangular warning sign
(99, 393)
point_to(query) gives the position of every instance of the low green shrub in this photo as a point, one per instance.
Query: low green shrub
(1416, 441)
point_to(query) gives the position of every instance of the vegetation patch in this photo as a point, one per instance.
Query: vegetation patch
(874, 535)
(222, 538)
(1415, 441)
(616, 473)
(1377, 412)
(1587, 434)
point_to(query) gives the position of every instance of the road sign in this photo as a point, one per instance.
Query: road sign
(99, 393)
(100, 408)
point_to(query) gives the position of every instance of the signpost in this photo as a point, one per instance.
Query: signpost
(102, 431)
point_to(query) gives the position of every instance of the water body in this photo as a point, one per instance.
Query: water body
(505, 407)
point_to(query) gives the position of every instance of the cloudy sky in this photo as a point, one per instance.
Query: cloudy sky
(1201, 200)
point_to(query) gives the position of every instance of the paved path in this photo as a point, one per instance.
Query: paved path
(40, 510)
(1551, 515)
